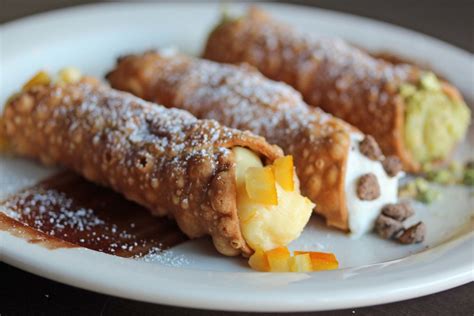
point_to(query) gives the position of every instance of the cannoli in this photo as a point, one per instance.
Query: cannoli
(411, 113)
(331, 157)
(211, 179)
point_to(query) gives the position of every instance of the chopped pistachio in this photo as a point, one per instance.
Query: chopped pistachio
(427, 167)
(455, 173)
(441, 176)
(420, 190)
(407, 90)
(421, 184)
(226, 14)
(430, 82)
(428, 196)
(456, 167)
(408, 190)
(469, 177)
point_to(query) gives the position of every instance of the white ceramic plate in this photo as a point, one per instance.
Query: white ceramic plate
(373, 271)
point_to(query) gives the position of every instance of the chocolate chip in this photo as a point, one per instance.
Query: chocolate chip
(398, 211)
(368, 188)
(392, 165)
(413, 234)
(388, 227)
(369, 148)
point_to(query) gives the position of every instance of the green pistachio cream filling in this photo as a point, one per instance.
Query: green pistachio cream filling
(434, 121)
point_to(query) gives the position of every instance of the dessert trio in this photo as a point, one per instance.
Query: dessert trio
(244, 144)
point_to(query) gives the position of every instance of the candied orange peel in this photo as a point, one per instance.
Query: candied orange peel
(301, 263)
(321, 260)
(260, 185)
(278, 259)
(283, 170)
(258, 261)
(281, 260)
(260, 182)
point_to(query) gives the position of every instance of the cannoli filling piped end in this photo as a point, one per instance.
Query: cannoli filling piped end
(369, 185)
(271, 209)
(436, 119)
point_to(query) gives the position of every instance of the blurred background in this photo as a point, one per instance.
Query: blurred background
(449, 20)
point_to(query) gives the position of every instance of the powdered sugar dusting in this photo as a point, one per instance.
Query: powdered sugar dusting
(166, 257)
(240, 97)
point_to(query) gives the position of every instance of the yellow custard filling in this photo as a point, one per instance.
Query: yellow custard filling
(270, 216)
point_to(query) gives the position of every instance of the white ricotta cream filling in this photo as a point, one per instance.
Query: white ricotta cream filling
(362, 214)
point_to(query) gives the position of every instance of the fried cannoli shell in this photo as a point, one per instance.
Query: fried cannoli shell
(330, 74)
(240, 97)
(164, 159)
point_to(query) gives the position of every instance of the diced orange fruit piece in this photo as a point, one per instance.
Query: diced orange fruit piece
(320, 265)
(258, 261)
(321, 260)
(301, 263)
(279, 259)
(260, 185)
(283, 169)
(40, 78)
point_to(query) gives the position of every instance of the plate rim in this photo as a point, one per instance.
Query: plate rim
(463, 275)
(81, 257)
